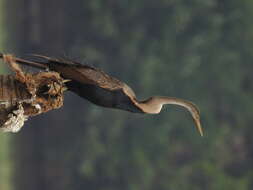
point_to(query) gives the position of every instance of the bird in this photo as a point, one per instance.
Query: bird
(104, 90)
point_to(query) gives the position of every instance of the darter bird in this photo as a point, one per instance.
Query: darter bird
(101, 89)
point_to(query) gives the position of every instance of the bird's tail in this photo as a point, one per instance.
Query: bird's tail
(36, 64)
(57, 61)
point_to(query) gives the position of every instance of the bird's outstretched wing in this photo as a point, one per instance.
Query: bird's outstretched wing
(93, 84)
(81, 73)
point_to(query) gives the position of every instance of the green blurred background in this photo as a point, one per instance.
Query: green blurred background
(200, 50)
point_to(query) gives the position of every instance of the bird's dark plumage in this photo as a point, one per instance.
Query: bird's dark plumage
(99, 88)
(93, 84)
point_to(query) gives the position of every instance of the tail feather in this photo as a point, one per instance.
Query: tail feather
(62, 62)
(39, 65)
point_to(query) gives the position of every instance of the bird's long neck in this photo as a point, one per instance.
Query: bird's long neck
(154, 105)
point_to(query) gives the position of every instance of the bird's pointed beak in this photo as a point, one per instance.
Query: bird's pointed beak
(198, 126)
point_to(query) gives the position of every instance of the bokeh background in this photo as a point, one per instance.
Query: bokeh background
(200, 50)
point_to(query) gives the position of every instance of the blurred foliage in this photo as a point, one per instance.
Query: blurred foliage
(197, 50)
(2, 22)
(5, 139)
(5, 162)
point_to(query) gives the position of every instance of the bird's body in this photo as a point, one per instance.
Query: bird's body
(101, 89)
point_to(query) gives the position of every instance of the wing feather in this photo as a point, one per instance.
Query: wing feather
(82, 73)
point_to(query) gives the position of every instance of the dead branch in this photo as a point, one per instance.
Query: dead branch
(27, 94)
